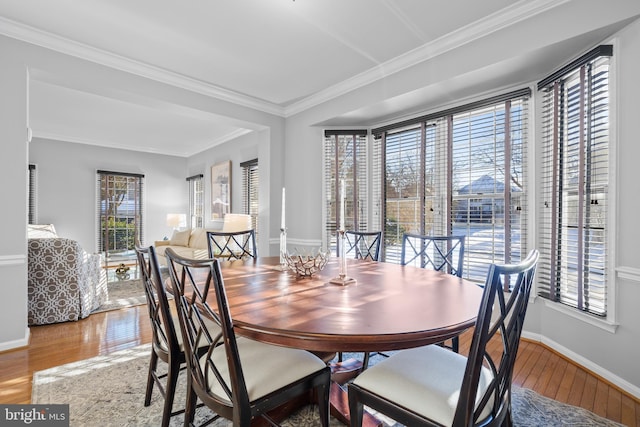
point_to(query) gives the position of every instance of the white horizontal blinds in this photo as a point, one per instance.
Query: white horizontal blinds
(478, 159)
(250, 191)
(460, 172)
(33, 195)
(375, 190)
(575, 187)
(196, 201)
(402, 189)
(345, 158)
(436, 178)
(360, 185)
(120, 211)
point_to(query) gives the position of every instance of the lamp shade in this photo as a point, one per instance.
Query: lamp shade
(176, 220)
(236, 222)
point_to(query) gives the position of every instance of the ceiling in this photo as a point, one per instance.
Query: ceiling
(278, 56)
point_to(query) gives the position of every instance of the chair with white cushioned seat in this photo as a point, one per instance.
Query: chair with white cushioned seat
(238, 378)
(165, 344)
(166, 339)
(432, 386)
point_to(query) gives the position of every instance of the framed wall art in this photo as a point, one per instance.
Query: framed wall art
(220, 189)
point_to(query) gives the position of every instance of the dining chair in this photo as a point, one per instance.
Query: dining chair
(238, 378)
(166, 344)
(363, 244)
(232, 244)
(432, 386)
(441, 253)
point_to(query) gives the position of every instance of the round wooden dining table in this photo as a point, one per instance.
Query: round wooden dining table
(388, 307)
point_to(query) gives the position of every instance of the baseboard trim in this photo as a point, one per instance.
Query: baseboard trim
(610, 378)
(16, 344)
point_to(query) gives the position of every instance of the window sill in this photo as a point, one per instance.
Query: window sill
(603, 324)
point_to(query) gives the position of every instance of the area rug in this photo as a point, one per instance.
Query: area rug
(123, 293)
(109, 391)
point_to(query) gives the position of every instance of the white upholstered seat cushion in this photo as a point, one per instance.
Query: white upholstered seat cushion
(266, 367)
(212, 327)
(426, 380)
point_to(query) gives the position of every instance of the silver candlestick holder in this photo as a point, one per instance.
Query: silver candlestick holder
(283, 251)
(343, 279)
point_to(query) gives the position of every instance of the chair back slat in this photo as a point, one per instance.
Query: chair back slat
(165, 334)
(501, 317)
(363, 244)
(194, 282)
(232, 245)
(441, 253)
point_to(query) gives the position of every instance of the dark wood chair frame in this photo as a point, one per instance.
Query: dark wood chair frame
(501, 316)
(364, 244)
(192, 310)
(444, 248)
(232, 244)
(165, 344)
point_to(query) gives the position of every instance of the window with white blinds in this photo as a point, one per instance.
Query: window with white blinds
(120, 212)
(250, 190)
(462, 172)
(196, 200)
(33, 195)
(345, 158)
(575, 184)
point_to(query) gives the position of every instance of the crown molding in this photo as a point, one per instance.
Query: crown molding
(507, 17)
(63, 45)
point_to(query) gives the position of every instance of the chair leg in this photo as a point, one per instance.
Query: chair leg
(356, 409)
(455, 344)
(172, 381)
(365, 360)
(190, 406)
(323, 403)
(153, 364)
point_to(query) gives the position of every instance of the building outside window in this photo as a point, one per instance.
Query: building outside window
(461, 172)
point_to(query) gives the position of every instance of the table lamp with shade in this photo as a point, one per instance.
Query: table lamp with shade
(176, 221)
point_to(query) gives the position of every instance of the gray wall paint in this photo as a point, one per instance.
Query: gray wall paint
(67, 187)
(289, 152)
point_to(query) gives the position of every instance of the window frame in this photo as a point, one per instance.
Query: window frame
(442, 157)
(608, 320)
(196, 201)
(139, 182)
(358, 184)
(250, 187)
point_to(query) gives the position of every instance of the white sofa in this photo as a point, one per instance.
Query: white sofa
(65, 282)
(193, 243)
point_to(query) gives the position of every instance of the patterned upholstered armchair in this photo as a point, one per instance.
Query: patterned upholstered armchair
(64, 281)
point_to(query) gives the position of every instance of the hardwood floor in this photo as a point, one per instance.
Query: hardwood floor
(537, 367)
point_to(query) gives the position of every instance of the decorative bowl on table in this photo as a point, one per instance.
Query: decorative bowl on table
(306, 265)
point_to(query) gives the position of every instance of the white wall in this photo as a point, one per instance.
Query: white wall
(255, 145)
(165, 175)
(289, 152)
(66, 174)
(13, 223)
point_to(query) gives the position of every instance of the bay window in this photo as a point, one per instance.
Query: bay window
(575, 183)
